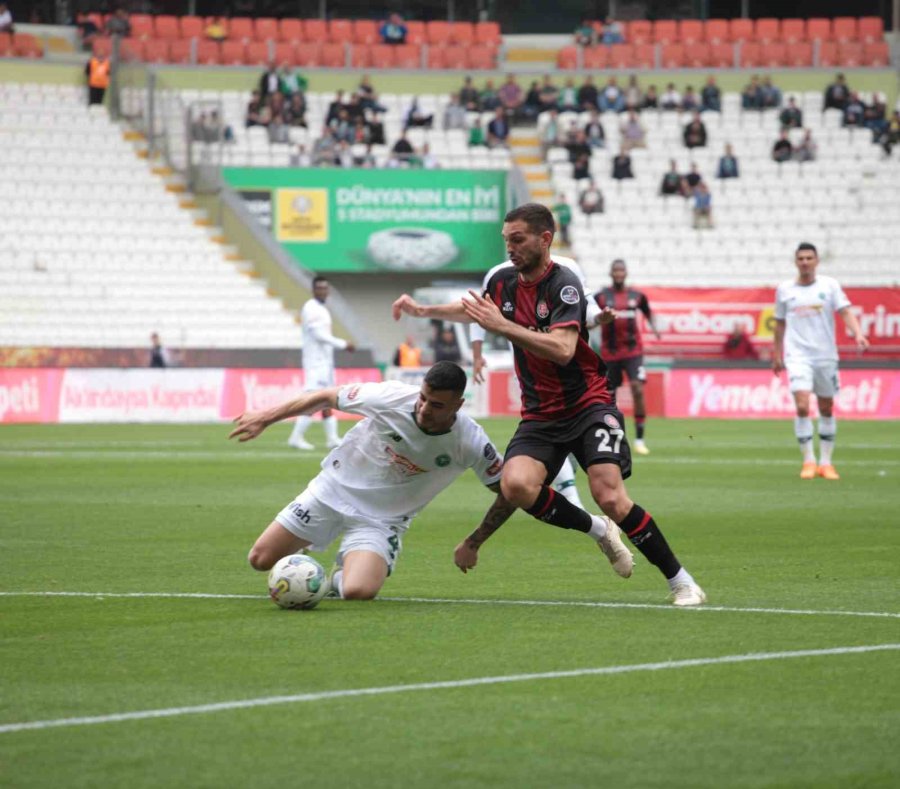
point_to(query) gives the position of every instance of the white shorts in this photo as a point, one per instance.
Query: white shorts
(821, 378)
(309, 519)
(318, 377)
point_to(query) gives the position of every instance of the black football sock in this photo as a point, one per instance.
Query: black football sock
(639, 426)
(554, 508)
(645, 535)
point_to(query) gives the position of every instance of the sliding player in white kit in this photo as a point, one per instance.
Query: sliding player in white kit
(564, 482)
(805, 346)
(318, 362)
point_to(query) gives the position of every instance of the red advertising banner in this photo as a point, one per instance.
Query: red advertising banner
(695, 321)
(758, 394)
(29, 395)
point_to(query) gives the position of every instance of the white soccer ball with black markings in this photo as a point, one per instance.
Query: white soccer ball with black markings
(297, 581)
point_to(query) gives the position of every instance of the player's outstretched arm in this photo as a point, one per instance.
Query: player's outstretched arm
(251, 423)
(852, 323)
(466, 554)
(407, 305)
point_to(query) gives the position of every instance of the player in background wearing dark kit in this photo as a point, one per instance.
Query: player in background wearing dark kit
(621, 346)
(566, 403)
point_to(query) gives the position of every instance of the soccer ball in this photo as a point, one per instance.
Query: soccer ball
(297, 581)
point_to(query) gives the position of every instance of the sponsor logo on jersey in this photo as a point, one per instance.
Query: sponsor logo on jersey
(495, 468)
(300, 513)
(611, 421)
(442, 460)
(353, 393)
(570, 295)
(405, 464)
(542, 309)
(508, 306)
(396, 437)
(489, 452)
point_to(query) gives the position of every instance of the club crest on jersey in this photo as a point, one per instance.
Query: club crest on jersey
(632, 303)
(442, 460)
(611, 421)
(353, 393)
(489, 452)
(570, 295)
(542, 309)
(508, 306)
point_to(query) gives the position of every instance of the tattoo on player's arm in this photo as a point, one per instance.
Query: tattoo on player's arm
(494, 518)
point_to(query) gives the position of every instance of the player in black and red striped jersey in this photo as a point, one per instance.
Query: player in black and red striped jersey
(567, 406)
(621, 346)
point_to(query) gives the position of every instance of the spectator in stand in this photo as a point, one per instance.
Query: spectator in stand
(738, 345)
(594, 131)
(562, 212)
(694, 134)
(159, 356)
(837, 94)
(324, 149)
(476, 134)
(376, 129)
(672, 182)
(632, 133)
(612, 32)
(361, 134)
(782, 151)
(416, 117)
(368, 98)
(498, 129)
(216, 30)
(591, 199)
(455, 114)
(671, 99)
(335, 107)
(355, 108)
(751, 96)
(531, 106)
(270, 83)
(446, 347)
(693, 178)
(87, 28)
(568, 96)
(651, 99)
(791, 117)
(468, 96)
(97, 73)
(366, 159)
(808, 149)
(621, 166)
(891, 134)
(771, 95)
(257, 112)
(581, 168)
(854, 110)
(588, 95)
(728, 164)
(290, 80)
(299, 157)
(428, 161)
(118, 24)
(611, 97)
(394, 30)
(711, 96)
(690, 102)
(407, 354)
(585, 34)
(634, 97)
(295, 113)
(550, 135)
(702, 207)
(402, 149)
(511, 98)
(344, 156)
(488, 99)
(578, 146)
(549, 94)
(342, 127)
(875, 116)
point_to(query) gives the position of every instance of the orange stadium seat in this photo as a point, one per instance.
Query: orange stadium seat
(690, 31)
(407, 55)
(716, 31)
(620, 56)
(385, 55)
(26, 45)
(876, 53)
(156, 51)
(232, 53)
(696, 55)
(333, 55)
(844, 28)
(209, 53)
(5, 44)
(721, 55)
(290, 30)
(437, 31)
(434, 57)
(415, 33)
(141, 25)
(740, 29)
(767, 30)
(488, 33)
(596, 57)
(871, 28)
(818, 29)
(644, 56)
(132, 49)
(673, 56)
(101, 46)
(773, 54)
(361, 56)
(190, 27)
(166, 27)
(462, 33)
(828, 55)
(265, 28)
(365, 31)
(566, 58)
(257, 53)
(240, 28)
(640, 31)
(340, 31)
(180, 51)
(799, 54)
(850, 53)
(308, 53)
(750, 54)
(793, 30)
(315, 30)
(456, 57)
(665, 31)
(284, 52)
(483, 58)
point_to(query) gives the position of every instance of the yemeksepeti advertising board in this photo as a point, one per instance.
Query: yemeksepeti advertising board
(379, 220)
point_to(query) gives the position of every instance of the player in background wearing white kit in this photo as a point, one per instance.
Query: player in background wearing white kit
(805, 346)
(565, 480)
(318, 362)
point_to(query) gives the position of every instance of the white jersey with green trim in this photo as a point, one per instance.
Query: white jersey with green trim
(808, 312)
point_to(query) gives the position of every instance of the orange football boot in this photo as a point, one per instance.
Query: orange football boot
(827, 472)
(808, 471)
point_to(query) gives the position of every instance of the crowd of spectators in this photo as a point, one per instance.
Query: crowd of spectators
(609, 32)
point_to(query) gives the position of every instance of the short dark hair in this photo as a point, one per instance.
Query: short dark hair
(805, 245)
(538, 217)
(618, 263)
(319, 280)
(446, 377)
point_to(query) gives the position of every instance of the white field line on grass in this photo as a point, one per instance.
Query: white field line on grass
(475, 601)
(299, 698)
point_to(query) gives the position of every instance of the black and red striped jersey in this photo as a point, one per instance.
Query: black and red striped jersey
(551, 391)
(621, 339)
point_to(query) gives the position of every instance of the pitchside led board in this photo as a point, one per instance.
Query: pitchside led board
(379, 220)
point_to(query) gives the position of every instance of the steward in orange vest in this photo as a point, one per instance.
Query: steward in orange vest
(97, 71)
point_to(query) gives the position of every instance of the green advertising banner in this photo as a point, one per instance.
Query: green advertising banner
(379, 220)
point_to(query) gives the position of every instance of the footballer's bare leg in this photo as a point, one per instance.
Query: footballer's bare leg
(803, 430)
(363, 575)
(273, 544)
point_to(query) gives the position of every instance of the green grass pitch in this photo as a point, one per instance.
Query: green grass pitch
(788, 566)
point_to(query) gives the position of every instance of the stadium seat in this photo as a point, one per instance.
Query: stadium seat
(156, 51)
(773, 54)
(740, 29)
(721, 55)
(644, 56)
(639, 31)
(799, 54)
(180, 51)
(850, 54)
(315, 30)
(621, 56)
(415, 32)
(340, 31)
(844, 29)
(690, 31)
(141, 25)
(265, 29)
(365, 31)
(438, 32)
(132, 49)
(406, 55)
(26, 45)
(240, 28)
(672, 56)
(793, 30)
(456, 57)
(190, 27)
(488, 33)
(462, 33)
(596, 57)
(434, 57)
(361, 57)
(818, 29)
(231, 53)
(715, 31)
(767, 30)
(308, 53)
(5, 44)
(257, 53)
(696, 55)
(208, 52)
(876, 53)
(828, 55)
(290, 30)
(665, 31)
(483, 57)
(167, 27)
(102, 46)
(333, 55)
(566, 58)
(871, 28)
(750, 54)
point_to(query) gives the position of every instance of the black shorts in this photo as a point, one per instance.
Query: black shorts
(595, 436)
(633, 367)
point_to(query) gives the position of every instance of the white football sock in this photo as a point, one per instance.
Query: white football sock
(300, 426)
(337, 582)
(681, 577)
(331, 429)
(598, 529)
(827, 432)
(565, 484)
(803, 429)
